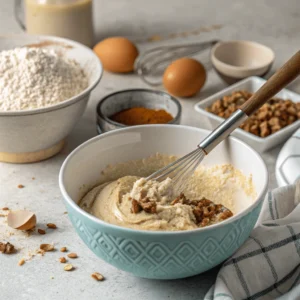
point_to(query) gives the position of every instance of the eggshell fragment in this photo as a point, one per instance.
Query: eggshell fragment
(21, 219)
(184, 77)
(117, 54)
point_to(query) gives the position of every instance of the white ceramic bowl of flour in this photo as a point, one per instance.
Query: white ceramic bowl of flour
(39, 133)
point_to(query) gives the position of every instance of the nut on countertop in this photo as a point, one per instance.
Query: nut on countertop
(97, 276)
(47, 247)
(68, 267)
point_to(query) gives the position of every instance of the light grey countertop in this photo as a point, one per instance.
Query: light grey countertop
(272, 22)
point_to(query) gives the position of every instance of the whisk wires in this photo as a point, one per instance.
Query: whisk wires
(180, 170)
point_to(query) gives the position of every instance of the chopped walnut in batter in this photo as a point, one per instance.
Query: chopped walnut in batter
(143, 204)
(204, 210)
(135, 202)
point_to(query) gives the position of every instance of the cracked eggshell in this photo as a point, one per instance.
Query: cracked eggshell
(21, 219)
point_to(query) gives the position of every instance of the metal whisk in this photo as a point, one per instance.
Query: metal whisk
(180, 170)
(152, 62)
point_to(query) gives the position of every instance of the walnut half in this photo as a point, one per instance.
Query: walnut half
(7, 248)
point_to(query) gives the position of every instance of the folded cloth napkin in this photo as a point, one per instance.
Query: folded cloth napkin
(267, 266)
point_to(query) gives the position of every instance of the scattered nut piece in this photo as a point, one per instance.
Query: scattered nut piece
(40, 251)
(63, 249)
(7, 248)
(62, 260)
(97, 276)
(68, 267)
(21, 262)
(51, 225)
(21, 186)
(41, 231)
(47, 247)
(72, 255)
(5, 208)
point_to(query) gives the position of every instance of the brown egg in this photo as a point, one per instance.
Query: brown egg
(184, 77)
(117, 54)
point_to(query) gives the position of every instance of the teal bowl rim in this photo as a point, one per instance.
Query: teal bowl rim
(100, 222)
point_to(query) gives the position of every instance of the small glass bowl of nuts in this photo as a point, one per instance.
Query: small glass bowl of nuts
(270, 126)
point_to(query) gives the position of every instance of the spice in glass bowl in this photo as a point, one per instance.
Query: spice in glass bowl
(141, 115)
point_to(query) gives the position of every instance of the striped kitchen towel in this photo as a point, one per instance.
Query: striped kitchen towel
(267, 266)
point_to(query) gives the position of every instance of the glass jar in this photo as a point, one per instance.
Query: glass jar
(72, 19)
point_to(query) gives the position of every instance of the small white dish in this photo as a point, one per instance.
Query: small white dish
(251, 84)
(287, 168)
(236, 60)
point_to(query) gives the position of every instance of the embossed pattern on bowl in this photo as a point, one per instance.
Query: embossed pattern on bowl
(158, 254)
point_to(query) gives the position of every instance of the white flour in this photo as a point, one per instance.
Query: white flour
(35, 77)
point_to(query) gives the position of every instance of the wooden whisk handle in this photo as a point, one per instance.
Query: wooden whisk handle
(287, 73)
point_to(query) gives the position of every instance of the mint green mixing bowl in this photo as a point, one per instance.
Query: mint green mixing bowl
(158, 254)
